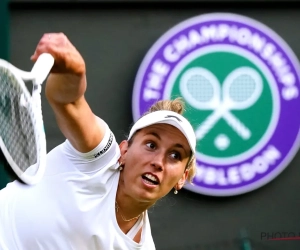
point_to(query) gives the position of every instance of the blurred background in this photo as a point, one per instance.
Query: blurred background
(113, 36)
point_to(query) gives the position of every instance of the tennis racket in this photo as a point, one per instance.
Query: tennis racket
(22, 135)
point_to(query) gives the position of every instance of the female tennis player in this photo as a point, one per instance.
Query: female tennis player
(95, 193)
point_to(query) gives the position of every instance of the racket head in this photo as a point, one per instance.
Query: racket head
(22, 136)
(200, 88)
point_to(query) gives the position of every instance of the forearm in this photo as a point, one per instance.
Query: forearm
(65, 90)
(62, 89)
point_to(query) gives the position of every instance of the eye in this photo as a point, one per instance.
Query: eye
(150, 145)
(176, 155)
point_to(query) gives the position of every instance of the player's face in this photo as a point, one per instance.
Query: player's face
(155, 162)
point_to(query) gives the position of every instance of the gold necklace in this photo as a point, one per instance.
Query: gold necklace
(117, 208)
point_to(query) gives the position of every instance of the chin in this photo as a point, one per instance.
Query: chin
(147, 197)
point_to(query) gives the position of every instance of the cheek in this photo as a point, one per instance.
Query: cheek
(174, 175)
(132, 165)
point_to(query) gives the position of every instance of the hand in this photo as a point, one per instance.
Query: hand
(67, 59)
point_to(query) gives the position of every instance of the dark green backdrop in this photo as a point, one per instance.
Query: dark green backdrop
(4, 52)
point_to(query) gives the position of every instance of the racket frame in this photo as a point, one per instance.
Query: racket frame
(37, 75)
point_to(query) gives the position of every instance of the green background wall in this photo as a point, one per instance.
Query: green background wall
(4, 54)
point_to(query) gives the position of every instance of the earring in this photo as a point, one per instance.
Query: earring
(121, 166)
(175, 191)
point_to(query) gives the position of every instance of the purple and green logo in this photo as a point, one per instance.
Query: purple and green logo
(240, 82)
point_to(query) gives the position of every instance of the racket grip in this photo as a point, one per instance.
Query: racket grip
(42, 67)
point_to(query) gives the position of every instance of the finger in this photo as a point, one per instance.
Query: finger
(67, 58)
(45, 48)
(41, 41)
(47, 44)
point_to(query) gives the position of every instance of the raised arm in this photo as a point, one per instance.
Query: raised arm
(65, 90)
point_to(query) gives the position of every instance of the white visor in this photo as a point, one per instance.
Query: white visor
(168, 117)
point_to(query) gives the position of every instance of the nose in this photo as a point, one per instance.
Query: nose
(158, 161)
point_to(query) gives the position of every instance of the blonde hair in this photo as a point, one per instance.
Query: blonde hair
(177, 105)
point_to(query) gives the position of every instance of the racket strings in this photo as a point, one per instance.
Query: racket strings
(242, 88)
(200, 88)
(16, 128)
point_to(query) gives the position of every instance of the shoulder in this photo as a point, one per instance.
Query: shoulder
(106, 153)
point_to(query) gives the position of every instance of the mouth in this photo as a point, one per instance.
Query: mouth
(150, 179)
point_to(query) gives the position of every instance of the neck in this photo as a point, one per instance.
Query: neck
(128, 206)
(127, 213)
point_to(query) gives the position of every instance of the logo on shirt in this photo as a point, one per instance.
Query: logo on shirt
(240, 82)
(107, 146)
